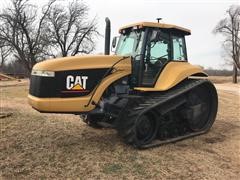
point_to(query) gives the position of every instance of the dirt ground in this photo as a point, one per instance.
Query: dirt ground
(44, 146)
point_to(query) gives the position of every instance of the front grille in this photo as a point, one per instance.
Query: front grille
(43, 86)
(46, 87)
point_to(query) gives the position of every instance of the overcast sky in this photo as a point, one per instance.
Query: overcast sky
(201, 16)
(204, 48)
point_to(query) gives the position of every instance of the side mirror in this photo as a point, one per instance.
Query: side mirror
(114, 42)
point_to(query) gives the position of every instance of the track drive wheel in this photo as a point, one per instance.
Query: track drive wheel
(202, 102)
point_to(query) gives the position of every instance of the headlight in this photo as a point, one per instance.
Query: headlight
(43, 73)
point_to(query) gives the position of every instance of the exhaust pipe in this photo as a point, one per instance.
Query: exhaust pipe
(107, 36)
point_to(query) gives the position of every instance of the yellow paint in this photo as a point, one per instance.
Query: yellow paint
(77, 87)
(157, 25)
(75, 104)
(78, 104)
(172, 74)
(82, 62)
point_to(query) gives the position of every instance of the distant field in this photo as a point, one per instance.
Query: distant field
(221, 79)
(53, 146)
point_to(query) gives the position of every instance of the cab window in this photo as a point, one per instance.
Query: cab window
(130, 44)
(179, 49)
(159, 50)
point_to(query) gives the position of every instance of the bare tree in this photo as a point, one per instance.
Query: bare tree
(22, 30)
(69, 29)
(5, 51)
(230, 28)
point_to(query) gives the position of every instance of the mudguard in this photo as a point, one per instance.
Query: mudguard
(172, 74)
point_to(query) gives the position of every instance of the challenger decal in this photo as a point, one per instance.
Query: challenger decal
(76, 84)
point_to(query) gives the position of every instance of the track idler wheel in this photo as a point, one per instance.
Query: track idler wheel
(138, 130)
(146, 129)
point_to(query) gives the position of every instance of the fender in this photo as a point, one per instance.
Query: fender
(172, 74)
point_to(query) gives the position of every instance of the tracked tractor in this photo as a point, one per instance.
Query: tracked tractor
(147, 90)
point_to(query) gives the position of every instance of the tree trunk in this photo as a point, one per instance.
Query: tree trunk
(235, 73)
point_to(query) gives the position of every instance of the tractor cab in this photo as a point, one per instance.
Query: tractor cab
(152, 46)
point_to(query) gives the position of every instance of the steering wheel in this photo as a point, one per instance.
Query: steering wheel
(162, 56)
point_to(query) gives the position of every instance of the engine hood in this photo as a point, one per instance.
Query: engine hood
(83, 62)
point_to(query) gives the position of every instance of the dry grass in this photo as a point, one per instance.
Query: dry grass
(40, 146)
(18, 82)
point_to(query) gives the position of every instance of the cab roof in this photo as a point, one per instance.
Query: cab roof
(157, 25)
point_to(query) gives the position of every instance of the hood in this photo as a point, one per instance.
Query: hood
(82, 62)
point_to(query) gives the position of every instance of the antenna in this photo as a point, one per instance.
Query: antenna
(159, 19)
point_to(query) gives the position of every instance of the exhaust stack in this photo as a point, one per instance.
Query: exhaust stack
(107, 36)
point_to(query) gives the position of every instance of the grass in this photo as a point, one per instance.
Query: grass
(53, 146)
(112, 168)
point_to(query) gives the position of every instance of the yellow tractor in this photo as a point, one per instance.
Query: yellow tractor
(147, 90)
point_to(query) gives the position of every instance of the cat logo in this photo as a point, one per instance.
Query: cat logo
(76, 84)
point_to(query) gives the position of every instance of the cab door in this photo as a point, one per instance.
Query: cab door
(161, 47)
(157, 54)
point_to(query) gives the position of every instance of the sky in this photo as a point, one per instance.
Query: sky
(204, 48)
(200, 16)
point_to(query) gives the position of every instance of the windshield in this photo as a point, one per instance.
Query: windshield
(130, 44)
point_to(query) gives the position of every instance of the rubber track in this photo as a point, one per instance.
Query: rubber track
(137, 106)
